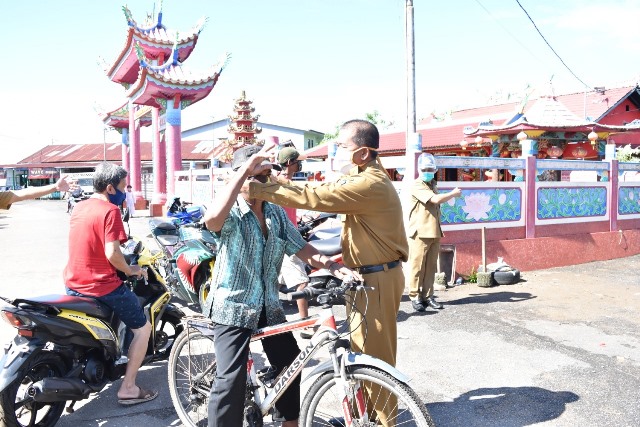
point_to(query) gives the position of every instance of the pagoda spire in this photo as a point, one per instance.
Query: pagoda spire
(242, 130)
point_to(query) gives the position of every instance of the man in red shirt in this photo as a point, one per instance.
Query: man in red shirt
(96, 232)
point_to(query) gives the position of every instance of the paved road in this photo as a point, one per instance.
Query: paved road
(560, 348)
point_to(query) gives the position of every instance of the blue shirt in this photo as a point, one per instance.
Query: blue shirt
(245, 275)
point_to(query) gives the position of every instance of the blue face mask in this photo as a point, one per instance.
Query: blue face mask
(117, 198)
(427, 176)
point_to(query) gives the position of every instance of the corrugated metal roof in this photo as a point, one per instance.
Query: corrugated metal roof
(93, 153)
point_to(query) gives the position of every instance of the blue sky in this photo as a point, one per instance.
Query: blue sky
(306, 63)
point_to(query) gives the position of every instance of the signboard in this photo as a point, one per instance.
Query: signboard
(162, 122)
(42, 173)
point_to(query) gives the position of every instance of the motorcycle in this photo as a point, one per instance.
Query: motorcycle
(186, 258)
(181, 213)
(74, 198)
(68, 347)
(327, 242)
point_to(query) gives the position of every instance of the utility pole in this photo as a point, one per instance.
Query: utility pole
(104, 143)
(413, 143)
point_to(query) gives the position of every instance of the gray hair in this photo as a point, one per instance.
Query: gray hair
(107, 173)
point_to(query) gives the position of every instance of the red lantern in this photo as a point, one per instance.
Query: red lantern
(554, 152)
(579, 152)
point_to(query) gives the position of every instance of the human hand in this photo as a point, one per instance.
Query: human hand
(66, 184)
(456, 192)
(254, 166)
(137, 271)
(340, 271)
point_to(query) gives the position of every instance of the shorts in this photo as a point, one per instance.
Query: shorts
(124, 304)
(292, 272)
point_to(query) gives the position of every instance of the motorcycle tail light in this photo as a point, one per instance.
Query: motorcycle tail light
(22, 324)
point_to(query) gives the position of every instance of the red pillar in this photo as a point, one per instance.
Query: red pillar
(174, 142)
(135, 172)
(159, 155)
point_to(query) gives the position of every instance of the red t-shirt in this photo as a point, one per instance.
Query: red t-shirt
(94, 222)
(291, 214)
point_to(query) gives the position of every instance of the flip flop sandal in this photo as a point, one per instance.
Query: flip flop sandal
(143, 396)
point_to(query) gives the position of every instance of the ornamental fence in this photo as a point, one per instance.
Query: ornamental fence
(581, 192)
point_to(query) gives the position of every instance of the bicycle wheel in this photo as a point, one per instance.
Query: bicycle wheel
(323, 406)
(192, 369)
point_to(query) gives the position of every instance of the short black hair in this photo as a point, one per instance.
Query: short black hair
(107, 173)
(365, 134)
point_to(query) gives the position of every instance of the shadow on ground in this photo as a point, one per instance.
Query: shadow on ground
(492, 297)
(501, 406)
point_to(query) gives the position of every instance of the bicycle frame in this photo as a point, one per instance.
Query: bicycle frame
(326, 333)
(265, 395)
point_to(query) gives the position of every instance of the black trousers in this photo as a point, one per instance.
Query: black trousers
(226, 400)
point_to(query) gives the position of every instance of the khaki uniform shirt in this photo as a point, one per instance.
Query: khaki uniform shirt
(5, 199)
(424, 217)
(373, 231)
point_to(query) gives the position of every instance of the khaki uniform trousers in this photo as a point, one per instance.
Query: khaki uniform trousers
(423, 263)
(376, 334)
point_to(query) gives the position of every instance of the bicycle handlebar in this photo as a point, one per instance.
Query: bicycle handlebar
(348, 284)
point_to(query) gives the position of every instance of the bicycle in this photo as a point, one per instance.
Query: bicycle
(336, 394)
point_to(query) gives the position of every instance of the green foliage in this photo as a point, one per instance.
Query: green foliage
(628, 154)
(473, 276)
(373, 117)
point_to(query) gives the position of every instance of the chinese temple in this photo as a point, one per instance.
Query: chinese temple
(243, 128)
(555, 126)
(150, 67)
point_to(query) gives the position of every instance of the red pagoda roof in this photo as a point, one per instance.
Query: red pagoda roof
(119, 118)
(165, 84)
(156, 42)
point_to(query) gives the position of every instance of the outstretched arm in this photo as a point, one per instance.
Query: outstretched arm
(34, 192)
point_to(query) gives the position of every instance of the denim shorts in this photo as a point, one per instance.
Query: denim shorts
(124, 304)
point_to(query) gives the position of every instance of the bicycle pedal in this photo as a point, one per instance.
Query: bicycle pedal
(266, 374)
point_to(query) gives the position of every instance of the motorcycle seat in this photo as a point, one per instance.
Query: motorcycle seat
(326, 233)
(163, 224)
(168, 240)
(87, 305)
(327, 247)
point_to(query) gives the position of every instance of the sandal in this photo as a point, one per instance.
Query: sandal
(143, 396)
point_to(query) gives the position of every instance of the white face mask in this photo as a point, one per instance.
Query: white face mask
(343, 161)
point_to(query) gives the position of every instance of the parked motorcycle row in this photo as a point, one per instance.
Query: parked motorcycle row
(68, 347)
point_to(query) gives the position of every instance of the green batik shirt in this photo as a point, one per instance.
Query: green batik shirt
(245, 275)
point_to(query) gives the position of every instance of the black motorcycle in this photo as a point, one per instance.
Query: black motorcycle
(68, 347)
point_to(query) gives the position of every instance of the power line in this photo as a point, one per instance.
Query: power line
(506, 30)
(553, 50)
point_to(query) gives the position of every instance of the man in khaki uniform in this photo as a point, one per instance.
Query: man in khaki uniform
(373, 237)
(425, 233)
(7, 198)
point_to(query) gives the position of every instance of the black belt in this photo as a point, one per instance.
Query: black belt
(366, 269)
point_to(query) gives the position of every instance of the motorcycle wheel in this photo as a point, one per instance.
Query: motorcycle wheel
(17, 409)
(167, 330)
(203, 294)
